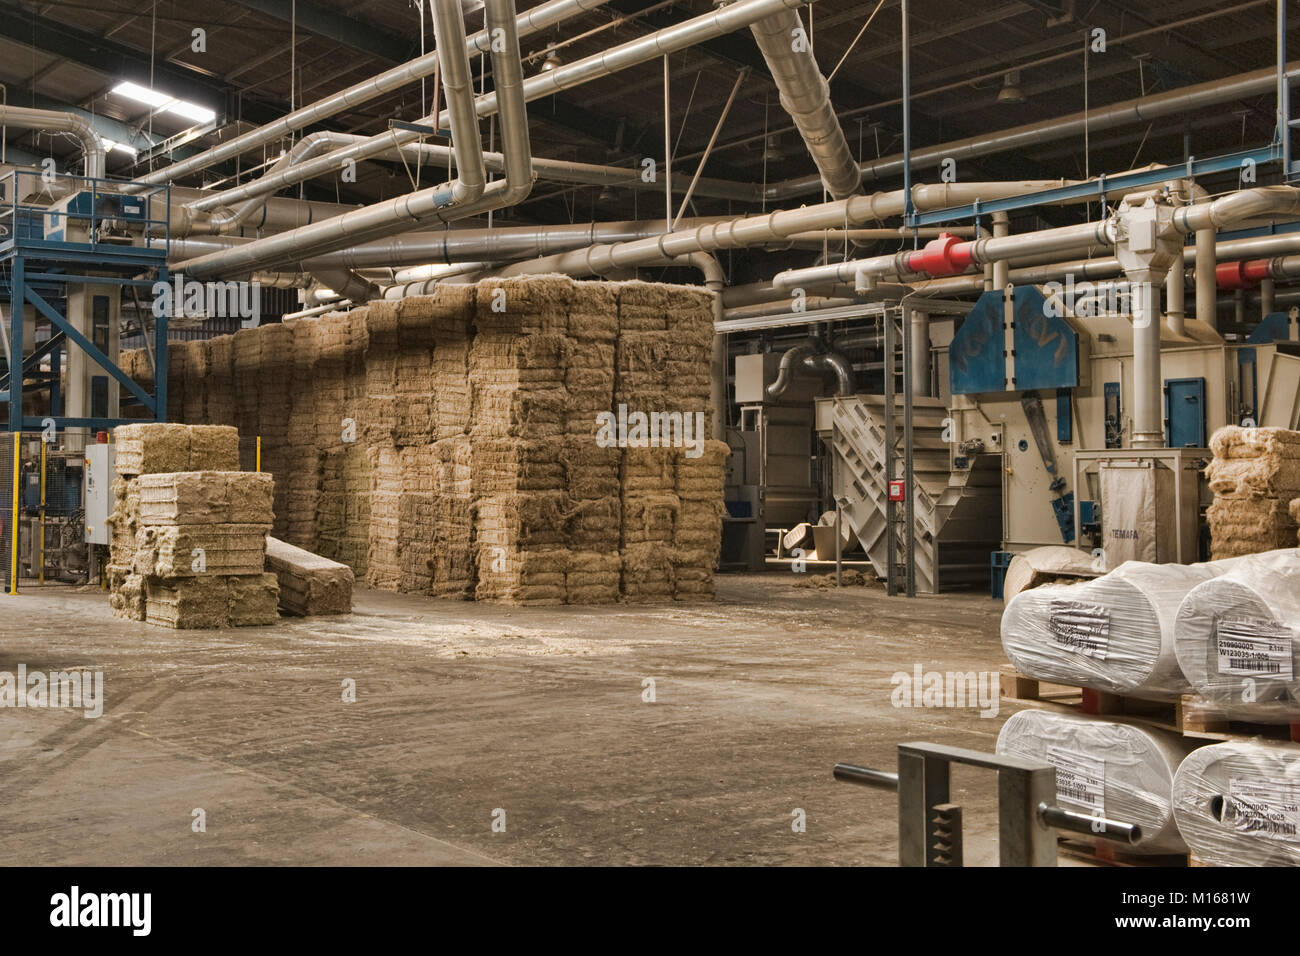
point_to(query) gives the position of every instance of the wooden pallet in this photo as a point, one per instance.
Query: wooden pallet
(1189, 715)
(1109, 854)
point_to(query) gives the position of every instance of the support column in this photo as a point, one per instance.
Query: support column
(919, 331)
(1148, 416)
(1175, 290)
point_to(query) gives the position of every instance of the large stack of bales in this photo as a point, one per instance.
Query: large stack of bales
(189, 530)
(1254, 475)
(470, 443)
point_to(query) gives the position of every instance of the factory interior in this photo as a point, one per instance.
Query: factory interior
(632, 433)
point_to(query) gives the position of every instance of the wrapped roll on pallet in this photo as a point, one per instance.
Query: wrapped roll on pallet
(1234, 637)
(1238, 804)
(1114, 633)
(1110, 768)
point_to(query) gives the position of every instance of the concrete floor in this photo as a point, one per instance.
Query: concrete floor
(464, 709)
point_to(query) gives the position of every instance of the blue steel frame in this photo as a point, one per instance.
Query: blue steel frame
(35, 264)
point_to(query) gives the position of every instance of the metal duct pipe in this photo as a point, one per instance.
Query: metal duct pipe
(458, 84)
(1207, 307)
(756, 230)
(1175, 291)
(919, 330)
(785, 370)
(409, 211)
(815, 356)
(806, 96)
(1001, 267)
(1142, 109)
(540, 18)
(92, 144)
(501, 244)
(838, 364)
(728, 19)
(348, 285)
(946, 256)
(1236, 207)
(1148, 416)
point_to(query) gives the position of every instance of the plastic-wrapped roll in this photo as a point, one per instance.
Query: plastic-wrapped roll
(1238, 804)
(1122, 771)
(1235, 636)
(1114, 633)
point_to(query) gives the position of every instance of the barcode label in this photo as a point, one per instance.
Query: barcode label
(1083, 628)
(1080, 779)
(1254, 647)
(1266, 809)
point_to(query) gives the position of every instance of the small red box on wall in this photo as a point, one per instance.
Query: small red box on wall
(896, 492)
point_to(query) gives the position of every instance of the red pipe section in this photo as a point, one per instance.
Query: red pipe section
(1241, 275)
(944, 256)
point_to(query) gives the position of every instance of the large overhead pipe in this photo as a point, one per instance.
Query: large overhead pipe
(948, 256)
(1142, 109)
(540, 18)
(806, 96)
(686, 34)
(92, 144)
(406, 212)
(782, 224)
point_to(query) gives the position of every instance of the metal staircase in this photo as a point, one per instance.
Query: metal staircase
(957, 512)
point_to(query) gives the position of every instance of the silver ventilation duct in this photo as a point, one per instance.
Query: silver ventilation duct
(92, 143)
(807, 98)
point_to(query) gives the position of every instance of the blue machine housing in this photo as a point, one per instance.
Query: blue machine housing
(1046, 346)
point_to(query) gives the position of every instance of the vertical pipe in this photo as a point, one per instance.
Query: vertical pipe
(1001, 267)
(1283, 92)
(907, 120)
(1239, 308)
(1267, 300)
(891, 535)
(41, 575)
(1207, 290)
(919, 330)
(13, 522)
(668, 151)
(1175, 296)
(1148, 418)
(909, 471)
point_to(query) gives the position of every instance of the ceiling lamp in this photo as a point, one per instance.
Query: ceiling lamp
(552, 62)
(1011, 92)
(772, 152)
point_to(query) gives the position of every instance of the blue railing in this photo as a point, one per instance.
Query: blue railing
(39, 206)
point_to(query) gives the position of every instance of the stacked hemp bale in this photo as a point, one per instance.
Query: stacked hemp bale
(309, 584)
(1254, 475)
(480, 442)
(516, 374)
(189, 530)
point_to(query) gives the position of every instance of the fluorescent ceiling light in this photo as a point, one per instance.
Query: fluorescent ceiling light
(191, 111)
(161, 101)
(113, 144)
(136, 92)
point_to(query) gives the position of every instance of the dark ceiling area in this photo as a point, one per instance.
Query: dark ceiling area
(261, 56)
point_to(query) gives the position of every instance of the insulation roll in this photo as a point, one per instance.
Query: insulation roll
(1114, 633)
(1238, 804)
(1234, 636)
(1118, 770)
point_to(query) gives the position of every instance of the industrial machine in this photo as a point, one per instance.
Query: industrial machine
(71, 249)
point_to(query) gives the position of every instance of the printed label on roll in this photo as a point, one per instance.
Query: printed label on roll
(1080, 779)
(1254, 647)
(1083, 628)
(1267, 809)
